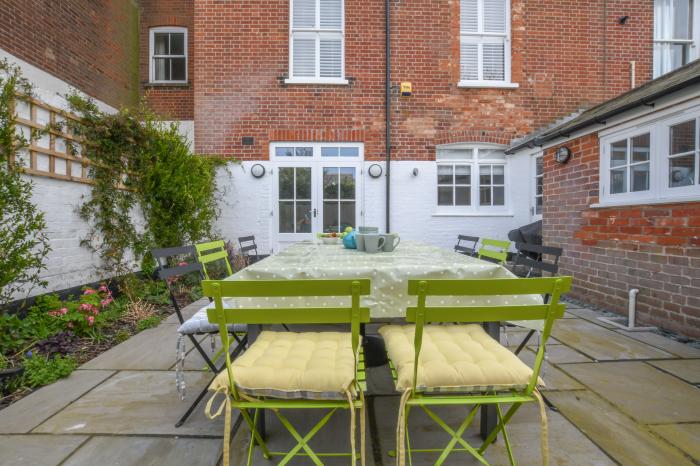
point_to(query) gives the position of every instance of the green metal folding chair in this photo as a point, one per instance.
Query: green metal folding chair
(210, 253)
(494, 250)
(288, 370)
(448, 372)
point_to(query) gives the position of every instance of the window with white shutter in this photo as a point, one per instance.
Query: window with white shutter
(485, 43)
(316, 42)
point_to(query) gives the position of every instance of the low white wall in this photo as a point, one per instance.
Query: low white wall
(248, 204)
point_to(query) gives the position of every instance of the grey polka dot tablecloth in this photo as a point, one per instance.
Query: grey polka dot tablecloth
(388, 271)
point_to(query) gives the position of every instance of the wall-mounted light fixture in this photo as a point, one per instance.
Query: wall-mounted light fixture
(257, 170)
(563, 154)
(375, 170)
(414, 172)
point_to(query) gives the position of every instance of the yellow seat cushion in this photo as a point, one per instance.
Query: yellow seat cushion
(317, 365)
(461, 358)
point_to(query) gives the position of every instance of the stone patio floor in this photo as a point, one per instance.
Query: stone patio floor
(615, 396)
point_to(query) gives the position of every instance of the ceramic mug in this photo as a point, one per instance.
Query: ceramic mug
(360, 240)
(374, 243)
(391, 240)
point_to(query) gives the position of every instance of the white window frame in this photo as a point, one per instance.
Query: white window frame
(475, 208)
(692, 42)
(481, 37)
(151, 47)
(659, 190)
(535, 177)
(316, 149)
(316, 33)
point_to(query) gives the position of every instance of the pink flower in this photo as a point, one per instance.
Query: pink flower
(106, 302)
(63, 311)
(86, 307)
(91, 320)
(89, 291)
(181, 264)
(103, 289)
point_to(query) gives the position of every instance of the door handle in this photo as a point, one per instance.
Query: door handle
(314, 213)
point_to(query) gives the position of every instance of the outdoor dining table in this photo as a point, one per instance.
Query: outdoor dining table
(389, 273)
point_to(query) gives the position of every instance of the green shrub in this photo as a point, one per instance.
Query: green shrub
(41, 370)
(148, 322)
(121, 336)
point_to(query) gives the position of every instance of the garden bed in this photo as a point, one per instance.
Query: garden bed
(56, 336)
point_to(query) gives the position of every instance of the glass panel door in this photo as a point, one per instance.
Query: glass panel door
(295, 213)
(537, 188)
(339, 198)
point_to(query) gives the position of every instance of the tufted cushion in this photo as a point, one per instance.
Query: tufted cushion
(199, 323)
(294, 365)
(453, 358)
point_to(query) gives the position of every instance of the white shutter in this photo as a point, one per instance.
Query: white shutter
(495, 16)
(469, 15)
(469, 61)
(331, 56)
(493, 61)
(331, 14)
(304, 14)
(304, 57)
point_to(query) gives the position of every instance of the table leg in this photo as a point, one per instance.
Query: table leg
(253, 332)
(489, 417)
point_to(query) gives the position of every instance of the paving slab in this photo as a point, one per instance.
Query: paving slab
(641, 391)
(684, 436)
(553, 377)
(628, 442)
(187, 311)
(667, 344)
(590, 315)
(151, 451)
(515, 335)
(686, 369)
(559, 354)
(37, 450)
(602, 344)
(136, 403)
(152, 349)
(27, 413)
(334, 437)
(567, 445)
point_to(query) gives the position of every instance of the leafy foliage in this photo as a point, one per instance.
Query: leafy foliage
(42, 370)
(23, 242)
(148, 322)
(142, 164)
(60, 343)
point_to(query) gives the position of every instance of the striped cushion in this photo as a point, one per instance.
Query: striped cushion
(454, 358)
(199, 323)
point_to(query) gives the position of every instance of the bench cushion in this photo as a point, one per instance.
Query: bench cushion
(316, 365)
(454, 358)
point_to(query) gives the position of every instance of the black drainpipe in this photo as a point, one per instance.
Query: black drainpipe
(387, 115)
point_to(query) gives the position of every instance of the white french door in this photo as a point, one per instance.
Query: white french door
(537, 187)
(317, 189)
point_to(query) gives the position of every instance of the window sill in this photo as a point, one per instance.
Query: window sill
(487, 84)
(473, 214)
(633, 202)
(167, 84)
(331, 81)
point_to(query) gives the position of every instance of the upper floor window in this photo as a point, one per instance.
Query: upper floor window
(659, 161)
(485, 43)
(675, 24)
(168, 55)
(316, 42)
(470, 178)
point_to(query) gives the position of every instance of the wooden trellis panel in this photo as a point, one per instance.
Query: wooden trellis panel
(50, 152)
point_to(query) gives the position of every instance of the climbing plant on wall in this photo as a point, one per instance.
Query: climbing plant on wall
(24, 244)
(144, 168)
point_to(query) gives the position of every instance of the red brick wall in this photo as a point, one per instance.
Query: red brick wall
(91, 45)
(565, 54)
(655, 248)
(171, 101)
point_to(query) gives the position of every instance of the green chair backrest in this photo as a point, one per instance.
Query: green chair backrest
(499, 251)
(222, 316)
(421, 314)
(213, 251)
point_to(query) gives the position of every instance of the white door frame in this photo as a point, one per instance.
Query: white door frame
(316, 162)
(534, 216)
